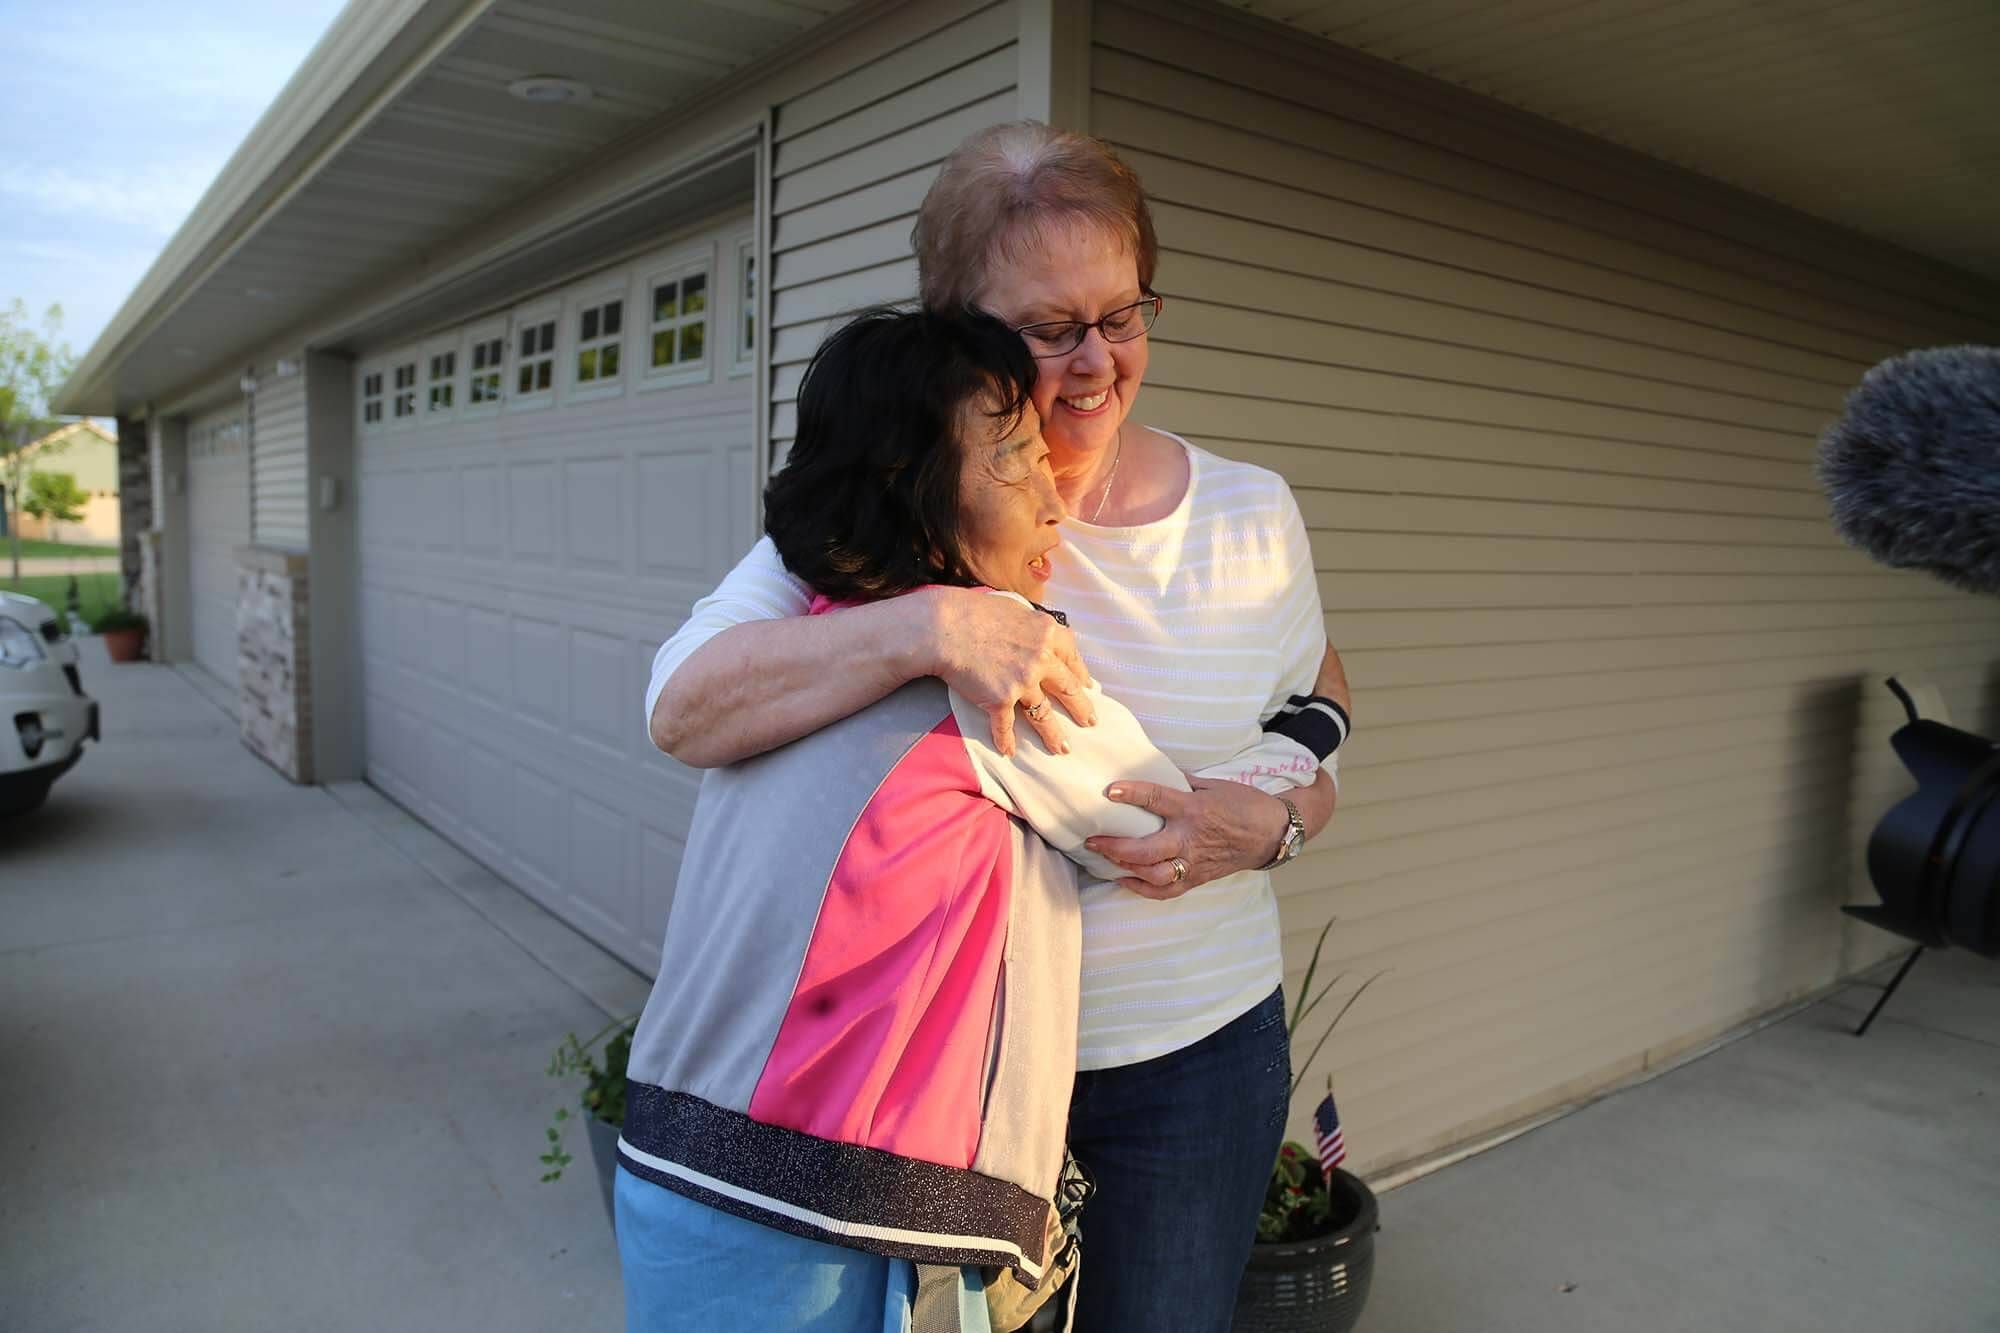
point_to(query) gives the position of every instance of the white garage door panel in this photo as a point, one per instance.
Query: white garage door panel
(519, 569)
(218, 523)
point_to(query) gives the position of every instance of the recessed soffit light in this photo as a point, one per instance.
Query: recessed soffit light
(549, 89)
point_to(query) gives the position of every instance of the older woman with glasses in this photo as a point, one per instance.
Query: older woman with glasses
(1188, 581)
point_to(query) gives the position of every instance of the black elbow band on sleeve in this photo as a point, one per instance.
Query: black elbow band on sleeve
(1314, 721)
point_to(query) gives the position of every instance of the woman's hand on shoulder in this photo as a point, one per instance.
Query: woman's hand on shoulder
(1217, 829)
(1004, 657)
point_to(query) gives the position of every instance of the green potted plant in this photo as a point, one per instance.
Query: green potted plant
(600, 1062)
(1314, 1259)
(123, 631)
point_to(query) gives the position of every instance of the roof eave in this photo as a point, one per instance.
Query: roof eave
(370, 47)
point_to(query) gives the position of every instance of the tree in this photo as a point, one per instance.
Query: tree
(56, 497)
(33, 366)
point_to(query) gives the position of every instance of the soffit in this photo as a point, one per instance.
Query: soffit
(1880, 115)
(450, 149)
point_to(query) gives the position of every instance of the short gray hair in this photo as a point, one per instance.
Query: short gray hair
(1004, 188)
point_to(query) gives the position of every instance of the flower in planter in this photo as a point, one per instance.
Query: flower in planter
(115, 618)
(1298, 1203)
(603, 1094)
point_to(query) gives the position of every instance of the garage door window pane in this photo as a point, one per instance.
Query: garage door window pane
(371, 398)
(486, 357)
(537, 361)
(443, 380)
(679, 323)
(406, 390)
(597, 340)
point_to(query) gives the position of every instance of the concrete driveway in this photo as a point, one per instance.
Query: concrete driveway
(266, 1070)
(1797, 1180)
(270, 1059)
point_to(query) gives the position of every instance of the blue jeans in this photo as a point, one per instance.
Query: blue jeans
(1181, 1148)
(689, 1266)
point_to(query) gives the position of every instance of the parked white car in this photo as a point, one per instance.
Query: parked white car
(45, 717)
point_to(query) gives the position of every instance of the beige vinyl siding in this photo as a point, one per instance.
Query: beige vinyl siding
(278, 461)
(1549, 410)
(851, 160)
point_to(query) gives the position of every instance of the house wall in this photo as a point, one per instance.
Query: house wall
(852, 158)
(85, 455)
(1549, 410)
(93, 461)
(332, 635)
(278, 458)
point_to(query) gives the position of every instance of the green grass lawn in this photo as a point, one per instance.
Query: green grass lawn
(97, 592)
(33, 548)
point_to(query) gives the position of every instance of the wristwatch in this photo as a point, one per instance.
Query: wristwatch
(1294, 840)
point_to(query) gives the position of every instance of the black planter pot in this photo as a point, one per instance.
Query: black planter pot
(1317, 1285)
(604, 1155)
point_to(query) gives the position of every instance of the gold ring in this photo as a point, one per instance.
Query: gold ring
(1035, 713)
(1180, 870)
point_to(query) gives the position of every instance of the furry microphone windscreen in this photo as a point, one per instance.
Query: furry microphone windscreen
(1912, 467)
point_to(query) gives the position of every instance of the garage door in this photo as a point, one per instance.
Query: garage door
(544, 493)
(218, 523)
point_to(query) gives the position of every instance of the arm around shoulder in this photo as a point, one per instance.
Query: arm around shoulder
(760, 684)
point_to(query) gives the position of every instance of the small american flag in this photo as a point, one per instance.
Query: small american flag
(1332, 1141)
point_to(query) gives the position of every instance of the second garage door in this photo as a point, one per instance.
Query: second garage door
(544, 492)
(218, 523)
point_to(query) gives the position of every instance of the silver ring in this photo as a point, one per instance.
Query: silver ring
(1035, 713)
(1180, 870)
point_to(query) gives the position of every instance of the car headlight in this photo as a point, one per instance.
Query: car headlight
(18, 646)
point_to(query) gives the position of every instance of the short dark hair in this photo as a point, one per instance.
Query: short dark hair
(867, 504)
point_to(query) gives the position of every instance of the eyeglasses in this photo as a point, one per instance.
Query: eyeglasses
(1062, 336)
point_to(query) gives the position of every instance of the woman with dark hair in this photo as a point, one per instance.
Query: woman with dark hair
(1191, 584)
(847, 1093)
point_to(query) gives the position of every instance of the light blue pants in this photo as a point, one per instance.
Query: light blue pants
(689, 1266)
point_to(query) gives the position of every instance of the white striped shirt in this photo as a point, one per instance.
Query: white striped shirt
(1203, 624)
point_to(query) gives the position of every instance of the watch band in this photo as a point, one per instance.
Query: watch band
(1293, 840)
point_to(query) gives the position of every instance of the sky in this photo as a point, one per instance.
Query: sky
(119, 117)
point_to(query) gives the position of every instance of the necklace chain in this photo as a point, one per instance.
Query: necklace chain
(1109, 477)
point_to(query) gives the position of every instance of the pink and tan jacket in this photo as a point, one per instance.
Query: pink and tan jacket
(864, 1025)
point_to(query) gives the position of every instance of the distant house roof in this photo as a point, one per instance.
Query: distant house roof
(68, 433)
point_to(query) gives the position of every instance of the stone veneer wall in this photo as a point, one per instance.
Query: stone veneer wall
(274, 693)
(135, 510)
(145, 599)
